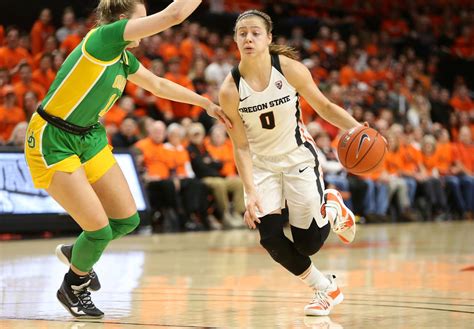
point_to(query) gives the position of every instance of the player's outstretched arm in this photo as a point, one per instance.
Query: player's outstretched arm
(164, 88)
(229, 100)
(174, 14)
(300, 78)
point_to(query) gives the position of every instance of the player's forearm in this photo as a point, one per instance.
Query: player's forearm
(337, 116)
(243, 163)
(175, 92)
(174, 14)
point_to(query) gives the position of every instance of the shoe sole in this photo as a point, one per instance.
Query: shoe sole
(66, 262)
(312, 312)
(60, 297)
(349, 213)
(61, 256)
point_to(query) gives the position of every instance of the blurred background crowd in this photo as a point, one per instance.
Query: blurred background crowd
(405, 67)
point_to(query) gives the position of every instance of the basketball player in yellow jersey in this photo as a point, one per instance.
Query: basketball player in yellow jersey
(276, 156)
(66, 148)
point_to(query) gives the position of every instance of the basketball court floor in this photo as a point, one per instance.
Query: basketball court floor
(393, 276)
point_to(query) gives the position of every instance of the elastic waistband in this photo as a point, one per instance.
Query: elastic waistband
(62, 124)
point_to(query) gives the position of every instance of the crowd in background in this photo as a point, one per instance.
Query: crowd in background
(382, 62)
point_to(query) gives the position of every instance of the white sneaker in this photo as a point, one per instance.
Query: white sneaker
(344, 224)
(214, 223)
(324, 300)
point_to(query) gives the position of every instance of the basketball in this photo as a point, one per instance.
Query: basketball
(361, 150)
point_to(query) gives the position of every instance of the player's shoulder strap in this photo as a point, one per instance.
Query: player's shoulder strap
(236, 75)
(276, 63)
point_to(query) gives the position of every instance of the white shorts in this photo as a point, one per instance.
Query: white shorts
(296, 178)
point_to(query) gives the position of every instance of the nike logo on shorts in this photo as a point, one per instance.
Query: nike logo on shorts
(301, 170)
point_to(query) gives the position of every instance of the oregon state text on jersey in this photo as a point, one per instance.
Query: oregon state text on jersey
(272, 117)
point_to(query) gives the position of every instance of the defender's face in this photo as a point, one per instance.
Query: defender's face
(140, 11)
(251, 36)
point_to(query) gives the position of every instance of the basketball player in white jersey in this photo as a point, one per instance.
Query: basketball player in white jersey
(276, 156)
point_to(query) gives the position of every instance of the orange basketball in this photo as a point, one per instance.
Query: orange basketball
(361, 150)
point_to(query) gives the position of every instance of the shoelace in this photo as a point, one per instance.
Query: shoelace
(84, 296)
(321, 298)
(92, 274)
(337, 224)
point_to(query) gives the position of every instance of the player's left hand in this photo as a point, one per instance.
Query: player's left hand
(216, 111)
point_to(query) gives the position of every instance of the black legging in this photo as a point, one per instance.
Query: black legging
(294, 256)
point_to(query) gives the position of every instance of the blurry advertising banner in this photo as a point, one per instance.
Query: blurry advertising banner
(19, 196)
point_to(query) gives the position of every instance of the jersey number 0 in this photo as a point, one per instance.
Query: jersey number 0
(267, 120)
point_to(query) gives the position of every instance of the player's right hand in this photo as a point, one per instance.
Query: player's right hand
(253, 204)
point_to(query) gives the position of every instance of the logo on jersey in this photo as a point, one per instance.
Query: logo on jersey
(361, 141)
(31, 141)
(279, 84)
(119, 82)
(264, 106)
(242, 99)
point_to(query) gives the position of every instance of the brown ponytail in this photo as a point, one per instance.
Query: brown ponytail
(274, 49)
(287, 51)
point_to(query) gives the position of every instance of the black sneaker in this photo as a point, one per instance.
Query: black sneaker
(77, 300)
(64, 253)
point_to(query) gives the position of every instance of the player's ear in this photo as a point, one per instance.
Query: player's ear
(270, 38)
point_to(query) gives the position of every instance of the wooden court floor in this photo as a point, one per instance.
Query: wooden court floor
(393, 276)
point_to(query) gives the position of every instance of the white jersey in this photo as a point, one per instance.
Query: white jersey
(272, 117)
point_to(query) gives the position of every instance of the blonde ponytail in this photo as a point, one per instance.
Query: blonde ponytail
(109, 11)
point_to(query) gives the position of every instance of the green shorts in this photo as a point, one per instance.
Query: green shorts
(49, 149)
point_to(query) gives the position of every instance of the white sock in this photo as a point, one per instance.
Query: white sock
(314, 279)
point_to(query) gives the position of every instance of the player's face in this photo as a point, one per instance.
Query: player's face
(140, 11)
(251, 37)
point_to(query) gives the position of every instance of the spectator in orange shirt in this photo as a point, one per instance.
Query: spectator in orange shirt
(44, 75)
(12, 55)
(180, 110)
(449, 173)
(26, 83)
(393, 174)
(158, 183)
(74, 39)
(464, 44)
(41, 30)
(463, 154)
(434, 190)
(192, 45)
(348, 74)
(461, 100)
(118, 112)
(208, 169)
(58, 60)
(395, 26)
(18, 136)
(376, 200)
(192, 192)
(220, 147)
(30, 104)
(50, 46)
(10, 114)
(409, 160)
(69, 22)
(4, 79)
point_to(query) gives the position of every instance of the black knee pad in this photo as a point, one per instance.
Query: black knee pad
(280, 248)
(309, 241)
